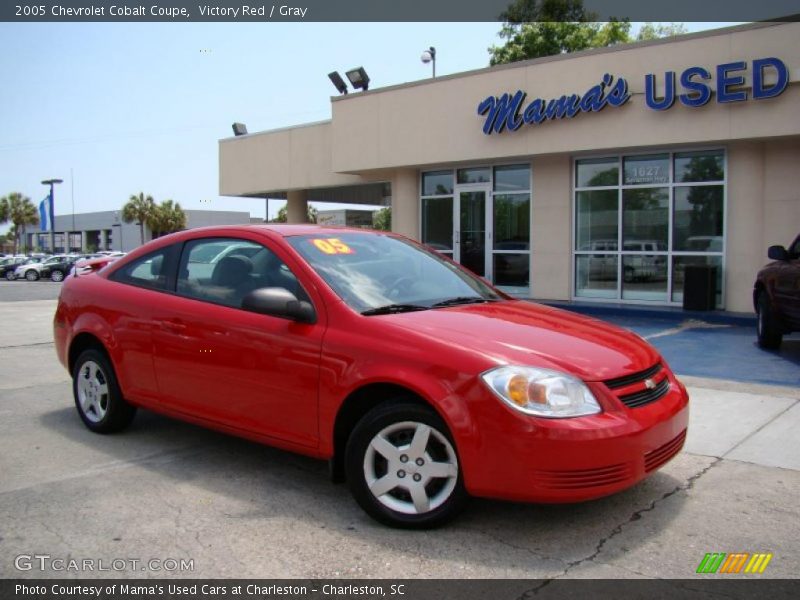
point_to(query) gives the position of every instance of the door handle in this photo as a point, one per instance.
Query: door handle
(173, 326)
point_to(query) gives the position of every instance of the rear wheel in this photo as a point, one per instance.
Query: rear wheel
(97, 395)
(402, 467)
(57, 276)
(769, 334)
(10, 275)
(31, 275)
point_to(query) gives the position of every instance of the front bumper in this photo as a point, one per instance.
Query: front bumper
(513, 456)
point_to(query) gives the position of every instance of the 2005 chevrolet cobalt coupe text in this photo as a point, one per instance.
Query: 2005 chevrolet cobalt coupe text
(421, 383)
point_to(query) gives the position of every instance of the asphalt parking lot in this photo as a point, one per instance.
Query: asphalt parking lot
(167, 490)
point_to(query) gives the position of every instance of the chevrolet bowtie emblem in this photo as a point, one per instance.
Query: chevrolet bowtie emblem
(649, 384)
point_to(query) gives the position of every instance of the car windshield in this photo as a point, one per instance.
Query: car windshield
(375, 273)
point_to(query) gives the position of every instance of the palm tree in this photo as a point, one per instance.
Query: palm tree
(139, 209)
(20, 211)
(167, 218)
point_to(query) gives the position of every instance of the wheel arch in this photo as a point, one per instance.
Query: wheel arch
(357, 404)
(81, 342)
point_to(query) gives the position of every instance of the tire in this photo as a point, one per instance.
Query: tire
(10, 275)
(381, 448)
(31, 275)
(769, 333)
(97, 395)
(57, 276)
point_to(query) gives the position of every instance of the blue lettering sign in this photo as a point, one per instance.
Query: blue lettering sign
(759, 91)
(503, 112)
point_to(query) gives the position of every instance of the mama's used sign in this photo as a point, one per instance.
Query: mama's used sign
(510, 111)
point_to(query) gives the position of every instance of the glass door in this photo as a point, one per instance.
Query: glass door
(471, 233)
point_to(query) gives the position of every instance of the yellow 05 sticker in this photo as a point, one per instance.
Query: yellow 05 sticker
(332, 246)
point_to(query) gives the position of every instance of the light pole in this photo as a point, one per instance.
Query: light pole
(429, 56)
(51, 183)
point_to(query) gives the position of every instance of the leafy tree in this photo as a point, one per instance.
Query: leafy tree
(536, 28)
(20, 211)
(655, 32)
(382, 219)
(281, 217)
(139, 209)
(167, 217)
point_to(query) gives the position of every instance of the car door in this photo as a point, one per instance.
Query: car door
(221, 363)
(787, 286)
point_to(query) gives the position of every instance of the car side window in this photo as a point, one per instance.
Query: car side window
(225, 270)
(150, 271)
(794, 250)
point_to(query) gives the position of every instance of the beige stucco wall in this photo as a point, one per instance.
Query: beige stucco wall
(276, 161)
(437, 122)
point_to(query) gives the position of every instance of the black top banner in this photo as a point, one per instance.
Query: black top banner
(381, 10)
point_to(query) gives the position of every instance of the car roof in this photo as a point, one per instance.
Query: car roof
(285, 230)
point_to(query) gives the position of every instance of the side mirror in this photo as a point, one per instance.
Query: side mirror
(777, 253)
(279, 302)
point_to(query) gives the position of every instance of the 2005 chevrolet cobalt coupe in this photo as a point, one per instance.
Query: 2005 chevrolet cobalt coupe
(419, 382)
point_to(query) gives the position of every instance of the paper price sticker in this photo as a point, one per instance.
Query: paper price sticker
(332, 246)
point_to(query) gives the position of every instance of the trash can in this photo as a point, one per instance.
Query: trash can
(699, 287)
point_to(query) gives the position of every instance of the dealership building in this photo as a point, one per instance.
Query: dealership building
(599, 176)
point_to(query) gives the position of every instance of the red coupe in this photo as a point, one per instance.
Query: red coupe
(419, 382)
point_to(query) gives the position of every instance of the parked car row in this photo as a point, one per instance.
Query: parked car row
(41, 266)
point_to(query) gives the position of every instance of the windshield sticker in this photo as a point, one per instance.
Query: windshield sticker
(332, 246)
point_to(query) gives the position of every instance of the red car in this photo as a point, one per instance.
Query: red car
(419, 382)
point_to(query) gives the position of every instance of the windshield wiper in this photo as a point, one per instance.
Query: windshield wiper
(462, 300)
(393, 308)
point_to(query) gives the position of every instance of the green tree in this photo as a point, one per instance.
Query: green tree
(536, 28)
(167, 217)
(382, 219)
(139, 209)
(655, 32)
(281, 217)
(21, 212)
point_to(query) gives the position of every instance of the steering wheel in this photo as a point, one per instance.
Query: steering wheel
(398, 284)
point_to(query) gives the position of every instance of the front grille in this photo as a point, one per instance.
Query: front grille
(646, 396)
(658, 457)
(642, 388)
(635, 378)
(582, 479)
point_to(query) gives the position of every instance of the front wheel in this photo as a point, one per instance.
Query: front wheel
(57, 276)
(402, 467)
(31, 275)
(97, 395)
(769, 334)
(10, 275)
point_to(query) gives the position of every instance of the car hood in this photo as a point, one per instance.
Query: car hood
(520, 332)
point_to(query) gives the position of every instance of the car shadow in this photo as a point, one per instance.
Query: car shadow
(273, 483)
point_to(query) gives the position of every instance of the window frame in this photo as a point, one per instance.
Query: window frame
(669, 254)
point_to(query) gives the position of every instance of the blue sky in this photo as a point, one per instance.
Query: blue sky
(130, 107)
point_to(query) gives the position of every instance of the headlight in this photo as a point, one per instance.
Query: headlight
(541, 392)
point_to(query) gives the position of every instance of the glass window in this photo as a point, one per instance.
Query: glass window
(699, 166)
(644, 277)
(596, 275)
(596, 220)
(150, 271)
(437, 183)
(645, 219)
(512, 269)
(698, 218)
(649, 169)
(512, 221)
(512, 178)
(379, 270)
(224, 271)
(474, 175)
(596, 172)
(437, 223)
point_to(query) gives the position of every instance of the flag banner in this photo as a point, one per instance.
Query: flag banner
(43, 209)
